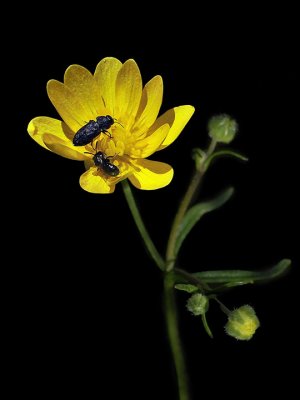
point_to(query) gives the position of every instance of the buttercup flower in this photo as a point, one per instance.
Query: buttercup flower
(114, 90)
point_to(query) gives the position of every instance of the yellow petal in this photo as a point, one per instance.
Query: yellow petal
(67, 105)
(88, 163)
(150, 175)
(63, 148)
(93, 182)
(83, 84)
(145, 147)
(40, 126)
(150, 104)
(125, 171)
(177, 118)
(106, 76)
(128, 93)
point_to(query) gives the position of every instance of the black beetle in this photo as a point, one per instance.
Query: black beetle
(92, 129)
(101, 160)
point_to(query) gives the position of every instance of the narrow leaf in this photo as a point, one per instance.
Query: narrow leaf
(228, 285)
(244, 276)
(196, 212)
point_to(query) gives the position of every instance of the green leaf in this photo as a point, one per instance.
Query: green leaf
(186, 280)
(186, 287)
(196, 212)
(228, 285)
(221, 153)
(243, 276)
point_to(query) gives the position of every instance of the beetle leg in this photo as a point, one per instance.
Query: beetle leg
(107, 133)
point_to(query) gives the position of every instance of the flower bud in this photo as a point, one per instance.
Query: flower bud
(197, 304)
(242, 323)
(222, 128)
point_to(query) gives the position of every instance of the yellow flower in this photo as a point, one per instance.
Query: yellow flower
(116, 90)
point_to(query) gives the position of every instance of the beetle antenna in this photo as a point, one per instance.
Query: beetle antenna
(118, 122)
(113, 156)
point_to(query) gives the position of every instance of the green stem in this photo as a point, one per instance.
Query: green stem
(183, 207)
(170, 254)
(223, 307)
(206, 327)
(141, 227)
(174, 338)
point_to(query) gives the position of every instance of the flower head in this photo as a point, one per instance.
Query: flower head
(197, 304)
(242, 323)
(115, 90)
(222, 128)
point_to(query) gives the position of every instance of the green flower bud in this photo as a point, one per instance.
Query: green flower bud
(242, 323)
(197, 304)
(222, 128)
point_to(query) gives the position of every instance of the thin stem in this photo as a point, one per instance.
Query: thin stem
(183, 207)
(170, 254)
(174, 338)
(222, 306)
(206, 327)
(141, 227)
(211, 148)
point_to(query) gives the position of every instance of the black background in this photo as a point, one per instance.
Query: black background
(88, 300)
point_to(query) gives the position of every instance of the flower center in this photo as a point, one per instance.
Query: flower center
(248, 327)
(120, 143)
